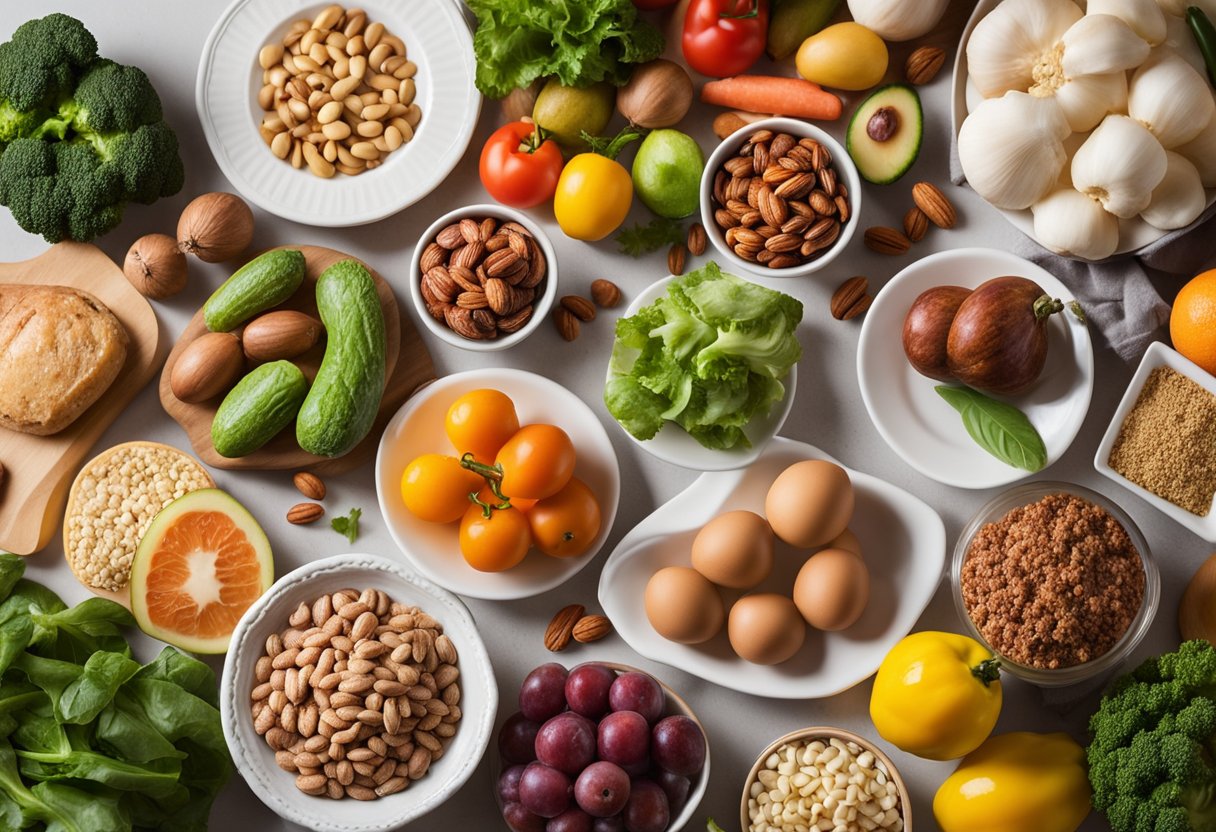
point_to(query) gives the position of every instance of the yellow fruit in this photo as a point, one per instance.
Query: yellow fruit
(1193, 321)
(847, 56)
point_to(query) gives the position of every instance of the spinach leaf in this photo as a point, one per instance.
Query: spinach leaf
(157, 778)
(15, 635)
(1000, 429)
(12, 567)
(69, 809)
(187, 672)
(79, 693)
(123, 730)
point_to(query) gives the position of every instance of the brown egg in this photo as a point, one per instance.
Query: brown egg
(765, 628)
(810, 503)
(845, 540)
(832, 589)
(734, 549)
(682, 605)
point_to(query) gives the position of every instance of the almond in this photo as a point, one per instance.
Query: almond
(304, 513)
(579, 307)
(500, 262)
(561, 627)
(916, 224)
(676, 257)
(923, 64)
(310, 485)
(433, 255)
(591, 628)
(851, 298)
(885, 240)
(567, 324)
(450, 237)
(697, 239)
(460, 321)
(282, 334)
(930, 199)
(605, 293)
(515, 322)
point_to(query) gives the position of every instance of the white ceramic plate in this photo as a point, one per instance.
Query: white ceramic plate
(254, 758)
(1158, 355)
(417, 428)
(903, 541)
(436, 37)
(673, 444)
(918, 424)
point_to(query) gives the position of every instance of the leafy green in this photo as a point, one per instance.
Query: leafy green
(579, 41)
(709, 356)
(348, 525)
(652, 236)
(1000, 429)
(711, 825)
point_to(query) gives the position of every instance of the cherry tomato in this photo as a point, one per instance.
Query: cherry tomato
(593, 197)
(480, 422)
(518, 168)
(494, 543)
(436, 488)
(565, 524)
(536, 462)
(724, 37)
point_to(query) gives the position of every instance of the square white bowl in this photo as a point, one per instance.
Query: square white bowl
(1158, 355)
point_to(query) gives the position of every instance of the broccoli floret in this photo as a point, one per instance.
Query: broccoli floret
(1152, 760)
(43, 60)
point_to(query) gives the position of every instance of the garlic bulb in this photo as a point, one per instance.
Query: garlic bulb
(1179, 199)
(898, 19)
(1170, 98)
(1012, 148)
(1069, 222)
(1201, 151)
(1119, 165)
(1144, 16)
(1009, 43)
(1101, 43)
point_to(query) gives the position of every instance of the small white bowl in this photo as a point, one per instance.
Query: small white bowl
(540, 307)
(417, 428)
(673, 444)
(1158, 355)
(842, 162)
(254, 759)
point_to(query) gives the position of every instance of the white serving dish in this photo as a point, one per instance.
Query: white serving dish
(673, 444)
(417, 428)
(1158, 355)
(918, 424)
(437, 38)
(254, 759)
(902, 539)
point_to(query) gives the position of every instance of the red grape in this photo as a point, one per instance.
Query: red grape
(508, 785)
(567, 743)
(624, 738)
(675, 787)
(517, 739)
(678, 746)
(520, 819)
(544, 790)
(613, 824)
(602, 789)
(571, 820)
(543, 693)
(647, 809)
(587, 689)
(639, 692)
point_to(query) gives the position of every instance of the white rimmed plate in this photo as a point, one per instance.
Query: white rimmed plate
(902, 539)
(417, 428)
(436, 37)
(673, 444)
(918, 424)
(255, 759)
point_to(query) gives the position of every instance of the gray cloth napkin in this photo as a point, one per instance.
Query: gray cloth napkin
(1122, 295)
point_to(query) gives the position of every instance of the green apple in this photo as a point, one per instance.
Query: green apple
(565, 112)
(667, 173)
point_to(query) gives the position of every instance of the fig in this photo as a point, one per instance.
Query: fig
(927, 326)
(998, 340)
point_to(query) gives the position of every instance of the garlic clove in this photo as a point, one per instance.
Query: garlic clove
(1101, 43)
(1088, 99)
(1201, 152)
(1178, 37)
(898, 20)
(1070, 223)
(1012, 148)
(1170, 98)
(1119, 165)
(1179, 199)
(1144, 16)
(1014, 38)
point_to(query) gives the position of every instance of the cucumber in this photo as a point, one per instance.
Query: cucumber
(258, 407)
(345, 395)
(265, 281)
(792, 21)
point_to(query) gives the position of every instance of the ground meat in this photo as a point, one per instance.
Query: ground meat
(1053, 584)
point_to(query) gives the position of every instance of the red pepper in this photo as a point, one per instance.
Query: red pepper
(519, 167)
(723, 38)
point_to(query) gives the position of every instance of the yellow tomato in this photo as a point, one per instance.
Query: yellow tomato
(847, 56)
(436, 488)
(593, 197)
(494, 543)
(480, 422)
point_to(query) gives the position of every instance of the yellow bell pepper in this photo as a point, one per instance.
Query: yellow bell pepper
(1018, 782)
(936, 695)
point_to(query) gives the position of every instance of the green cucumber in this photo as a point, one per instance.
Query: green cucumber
(884, 159)
(258, 407)
(793, 21)
(265, 281)
(345, 395)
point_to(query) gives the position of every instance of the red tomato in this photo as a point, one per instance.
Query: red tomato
(518, 168)
(725, 37)
(649, 5)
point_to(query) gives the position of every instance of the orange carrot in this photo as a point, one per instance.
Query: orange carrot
(772, 94)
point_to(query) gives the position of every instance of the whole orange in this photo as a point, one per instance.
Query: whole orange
(1193, 321)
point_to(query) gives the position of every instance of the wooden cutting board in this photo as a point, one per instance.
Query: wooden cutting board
(39, 469)
(408, 364)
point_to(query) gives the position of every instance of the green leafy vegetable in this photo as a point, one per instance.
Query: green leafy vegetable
(712, 826)
(579, 41)
(1000, 429)
(709, 356)
(348, 525)
(651, 236)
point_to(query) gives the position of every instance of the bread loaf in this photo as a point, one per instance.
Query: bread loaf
(60, 350)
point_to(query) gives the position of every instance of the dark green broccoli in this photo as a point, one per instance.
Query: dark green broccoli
(80, 136)
(1152, 761)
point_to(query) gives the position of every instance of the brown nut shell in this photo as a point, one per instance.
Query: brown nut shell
(282, 334)
(207, 367)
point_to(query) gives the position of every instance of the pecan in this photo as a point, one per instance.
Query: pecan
(885, 240)
(851, 299)
(309, 484)
(697, 239)
(580, 307)
(916, 224)
(567, 324)
(930, 199)
(676, 257)
(605, 293)
(923, 64)
(303, 513)
(561, 627)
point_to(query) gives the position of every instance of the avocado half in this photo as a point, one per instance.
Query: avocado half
(883, 162)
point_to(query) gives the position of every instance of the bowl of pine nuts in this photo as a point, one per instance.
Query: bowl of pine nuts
(356, 695)
(337, 116)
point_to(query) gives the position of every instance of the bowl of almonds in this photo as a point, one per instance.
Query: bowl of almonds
(356, 695)
(780, 198)
(483, 277)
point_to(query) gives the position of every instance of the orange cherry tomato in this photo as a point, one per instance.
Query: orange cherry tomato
(480, 422)
(564, 525)
(436, 488)
(536, 462)
(494, 543)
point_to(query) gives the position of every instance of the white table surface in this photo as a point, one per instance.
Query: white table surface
(165, 38)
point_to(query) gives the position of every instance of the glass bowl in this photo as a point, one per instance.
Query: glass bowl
(1028, 493)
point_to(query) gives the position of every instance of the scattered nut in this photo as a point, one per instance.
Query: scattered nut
(930, 199)
(851, 299)
(916, 224)
(561, 627)
(605, 293)
(309, 484)
(304, 513)
(579, 307)
(697, 239)
(676, 257)
(885, 240)
(923, 64)
(155, 266)
(567, 324)
(591, 628)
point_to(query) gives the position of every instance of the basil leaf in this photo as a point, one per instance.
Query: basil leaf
(1000, 429)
